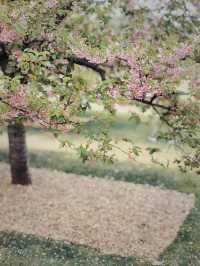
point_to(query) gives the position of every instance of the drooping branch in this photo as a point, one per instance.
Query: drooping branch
(84, 62)
(150, 103)
(35, 116)
(164, 107)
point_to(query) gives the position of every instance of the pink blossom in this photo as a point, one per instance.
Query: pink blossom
(158, 92)
(179, 53)
(111, 60)
(183, 51)
(175, 72)
(51, 3)
(157, 70)
(18, 99)
(114, 91)
(168, 59)
(23, 19)
(131, 86)
(7, 35)
(141, 91)
(14, 114)
(136, 91)
(98, 96)
(17, 53)
(61, 62)
(129, 61)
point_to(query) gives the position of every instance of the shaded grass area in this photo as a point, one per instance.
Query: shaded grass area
(34, 251)
(23, 250)
(141, 134)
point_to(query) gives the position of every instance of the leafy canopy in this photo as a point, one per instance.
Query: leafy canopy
(141, 58)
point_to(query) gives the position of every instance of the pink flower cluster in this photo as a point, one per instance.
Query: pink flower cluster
(17, 53)
(61, 62)
(174, 72)
(51, 3)
(136, 91)
(127, 60)
(7, 35)
(18, 99)
(113, 90)
(158, 92)
(183, 51)
(17, 102)
(179, 53)
(157, 70)
(137, 84)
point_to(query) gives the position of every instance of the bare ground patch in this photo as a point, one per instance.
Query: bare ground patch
(115, 217)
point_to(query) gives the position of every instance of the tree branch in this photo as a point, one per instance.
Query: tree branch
(167, 108)
(84, 62)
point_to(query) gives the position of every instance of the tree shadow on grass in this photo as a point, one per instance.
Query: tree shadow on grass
(22, 247)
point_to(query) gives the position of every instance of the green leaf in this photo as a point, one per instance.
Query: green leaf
(152, 150)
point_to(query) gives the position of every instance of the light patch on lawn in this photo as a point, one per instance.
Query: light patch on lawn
(113, 216)
(45, 141)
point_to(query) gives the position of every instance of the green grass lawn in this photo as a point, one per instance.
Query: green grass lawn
(121, 127)
(24, 250)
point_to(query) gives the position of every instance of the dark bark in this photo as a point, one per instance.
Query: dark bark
(84, 62)
(18, 154)
(3, 57)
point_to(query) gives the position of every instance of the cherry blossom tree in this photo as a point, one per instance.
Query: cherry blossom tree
(41, 41)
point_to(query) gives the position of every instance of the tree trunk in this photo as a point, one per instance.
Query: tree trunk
(18, 154)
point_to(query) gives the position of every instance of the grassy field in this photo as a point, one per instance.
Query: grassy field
(22, 250)
(140, 133)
